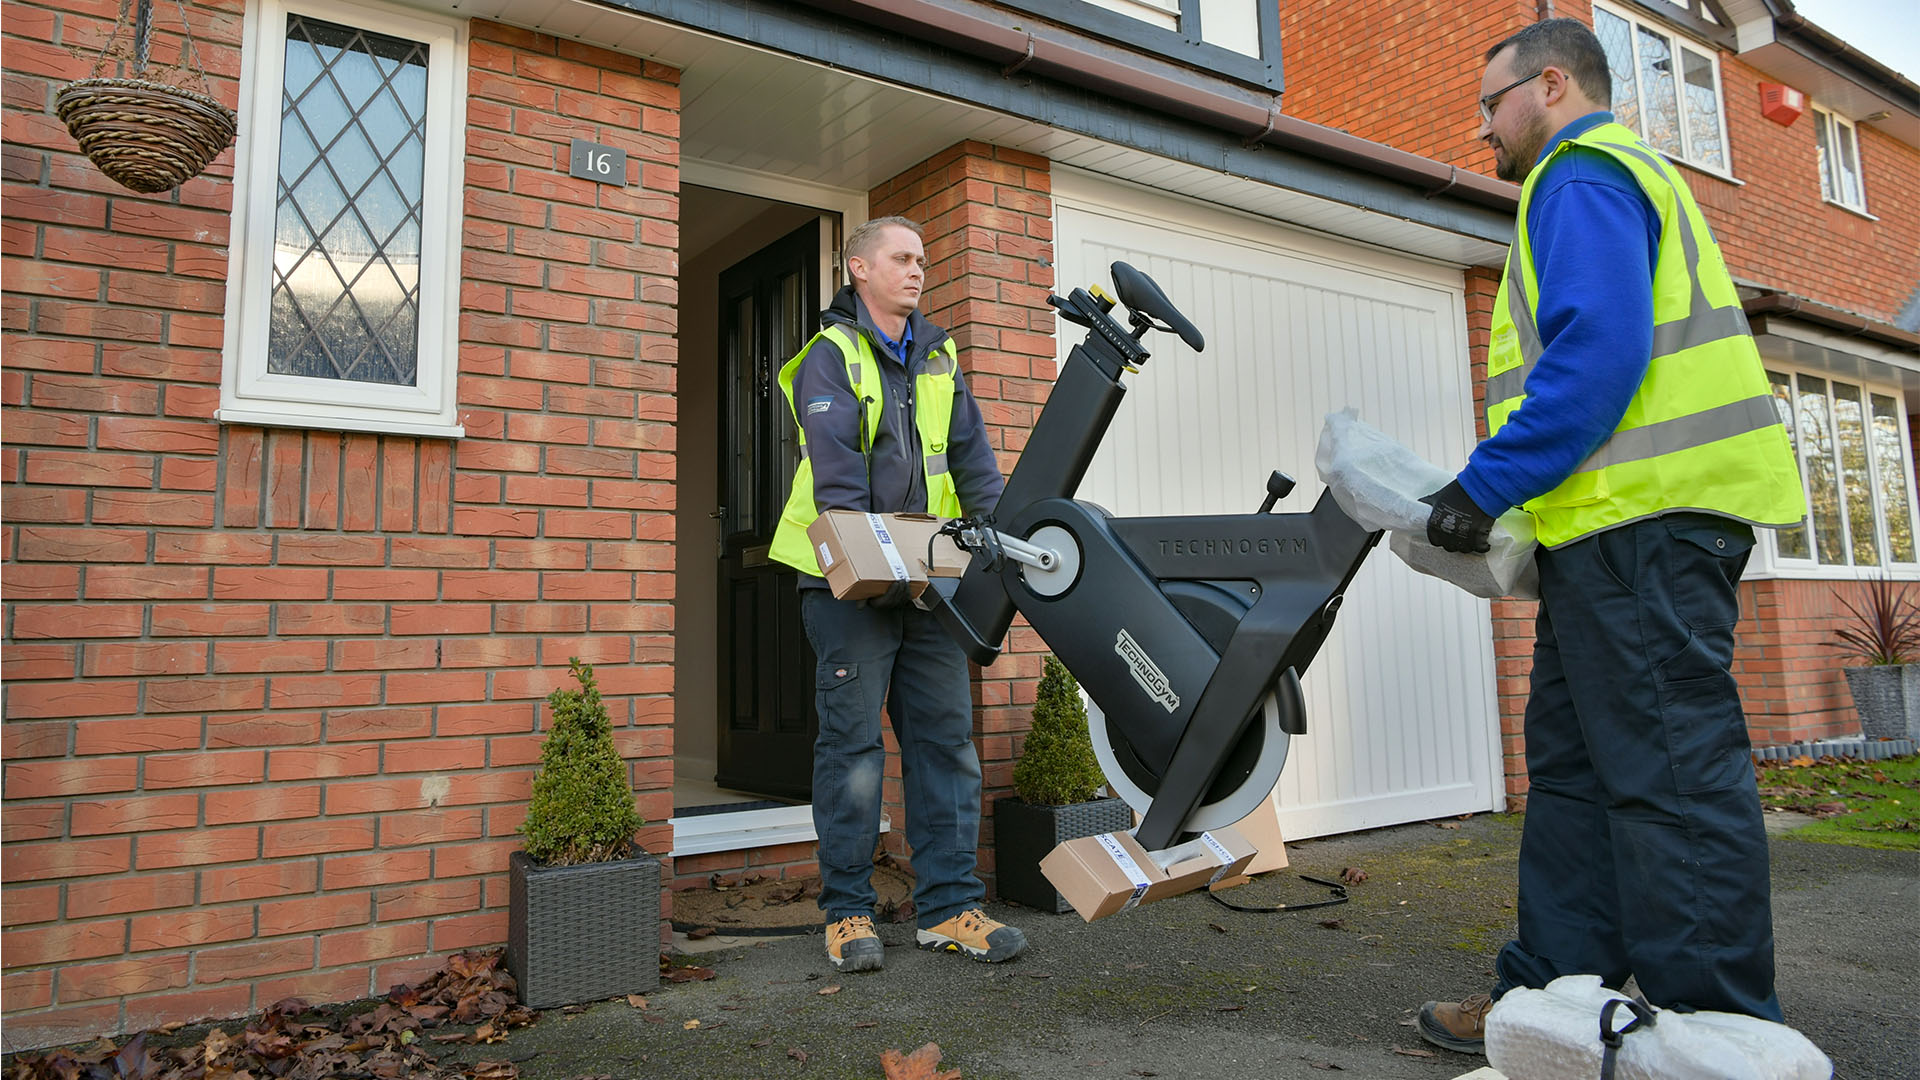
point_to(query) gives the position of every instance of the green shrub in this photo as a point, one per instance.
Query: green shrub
(1058, 767)
(582, 809)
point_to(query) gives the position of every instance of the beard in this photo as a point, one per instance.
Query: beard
(1512, 161)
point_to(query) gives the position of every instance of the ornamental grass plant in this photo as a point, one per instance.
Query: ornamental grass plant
(1885, 625)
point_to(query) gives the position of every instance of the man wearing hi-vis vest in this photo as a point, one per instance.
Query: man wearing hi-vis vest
(1628, 412)
(887, 426)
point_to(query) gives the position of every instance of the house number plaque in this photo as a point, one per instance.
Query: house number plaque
(598, 161)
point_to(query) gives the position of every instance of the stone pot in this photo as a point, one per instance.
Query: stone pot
(1887, 697)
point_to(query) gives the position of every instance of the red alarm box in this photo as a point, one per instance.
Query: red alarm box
(1781, 104)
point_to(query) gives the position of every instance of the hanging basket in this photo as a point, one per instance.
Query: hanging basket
(145, 136)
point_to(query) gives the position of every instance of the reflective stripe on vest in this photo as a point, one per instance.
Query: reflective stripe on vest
(1701, 431)
(933, 392)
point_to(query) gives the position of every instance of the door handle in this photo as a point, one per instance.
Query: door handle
(718, 514)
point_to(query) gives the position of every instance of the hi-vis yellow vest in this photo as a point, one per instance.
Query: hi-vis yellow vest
(933, 390)
(1702, 432)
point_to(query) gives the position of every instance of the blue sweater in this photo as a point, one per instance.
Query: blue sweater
(1596, 239)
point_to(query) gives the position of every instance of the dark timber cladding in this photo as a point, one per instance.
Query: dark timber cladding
(1189, 116)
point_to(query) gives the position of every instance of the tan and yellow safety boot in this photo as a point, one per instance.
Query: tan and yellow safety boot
(972, 933)
(853, 946)
(1458, 1026)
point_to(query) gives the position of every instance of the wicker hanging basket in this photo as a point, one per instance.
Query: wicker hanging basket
(147, 136)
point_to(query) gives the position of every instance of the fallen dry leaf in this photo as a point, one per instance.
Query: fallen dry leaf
(1229, 1008)
(688, 974)
(761, 1044)
(1412, 1053)
(867, 1024)
(1216, 927)
(638, 1001)
(689, 1025)
(495, 1070)
(797, 1054)
(825, 990)
(1327, 1065)
(700, 933)
(1446, 824)
(922, 1064)
(1353, 875)
(1333, 924)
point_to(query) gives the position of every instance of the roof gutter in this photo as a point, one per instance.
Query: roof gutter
(1091, 64)
(1832, 318)
(1864, 68)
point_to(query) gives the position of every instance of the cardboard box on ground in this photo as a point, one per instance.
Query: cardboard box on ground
(1111, 872)
(861, 555)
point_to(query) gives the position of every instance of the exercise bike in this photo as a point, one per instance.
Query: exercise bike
(1188, 633)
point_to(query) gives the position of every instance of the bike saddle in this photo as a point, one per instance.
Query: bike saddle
(1143, 297)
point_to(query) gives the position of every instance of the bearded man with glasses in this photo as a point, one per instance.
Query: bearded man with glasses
(1630, 416)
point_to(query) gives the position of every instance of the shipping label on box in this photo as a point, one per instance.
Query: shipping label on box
(1099, 875)
(862, 555)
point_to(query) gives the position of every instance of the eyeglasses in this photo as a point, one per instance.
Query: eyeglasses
(1491, 101)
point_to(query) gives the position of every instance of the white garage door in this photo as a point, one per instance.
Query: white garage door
(1402, 719)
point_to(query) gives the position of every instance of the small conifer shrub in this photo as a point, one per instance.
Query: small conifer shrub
(582, 809)
(1058, 767)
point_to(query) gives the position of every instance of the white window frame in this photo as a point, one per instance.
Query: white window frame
(1680, 41)
(1812, 568)
(1832, 123)
(249, 393)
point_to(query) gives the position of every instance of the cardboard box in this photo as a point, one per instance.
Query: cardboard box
(862, 555)
(1262, 830)
(1099, 875)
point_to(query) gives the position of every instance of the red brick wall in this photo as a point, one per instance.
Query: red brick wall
(274, 696)
(1409, 76)
(1405, 74)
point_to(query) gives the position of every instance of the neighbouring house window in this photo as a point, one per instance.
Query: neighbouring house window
(1855, 458)
(1839, 152)
(1235, 39)
(1665, 87)
(343, 283)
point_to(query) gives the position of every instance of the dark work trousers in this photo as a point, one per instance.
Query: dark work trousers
(1643, 851)
(900, 657)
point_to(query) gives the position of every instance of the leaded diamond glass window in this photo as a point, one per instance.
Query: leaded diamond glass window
(1664, 87)
(346, 261)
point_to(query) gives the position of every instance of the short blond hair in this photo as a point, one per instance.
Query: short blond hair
(861, 241)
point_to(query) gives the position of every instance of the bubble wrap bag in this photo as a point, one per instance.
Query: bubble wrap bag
(1554, 1034)
(1380, 483)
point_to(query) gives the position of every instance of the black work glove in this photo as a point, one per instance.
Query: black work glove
(1457, 524)
(897, 595)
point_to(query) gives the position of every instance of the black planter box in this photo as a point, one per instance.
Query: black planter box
(583, 933)
(1024, 834)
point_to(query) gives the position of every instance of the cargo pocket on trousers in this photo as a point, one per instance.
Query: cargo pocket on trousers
(838, 699)
(1704, 726)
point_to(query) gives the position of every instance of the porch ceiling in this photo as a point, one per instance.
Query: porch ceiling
(745, 108)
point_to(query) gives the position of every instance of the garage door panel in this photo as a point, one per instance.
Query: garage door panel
(1402, 719)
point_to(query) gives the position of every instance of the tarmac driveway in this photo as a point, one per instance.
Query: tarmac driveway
(1187, 988)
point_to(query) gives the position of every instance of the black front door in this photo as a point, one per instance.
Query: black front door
(769, 307)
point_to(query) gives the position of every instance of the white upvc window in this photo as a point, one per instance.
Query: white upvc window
(1665, 87)
(343, 280)
(1856, 462)
(1838, 146)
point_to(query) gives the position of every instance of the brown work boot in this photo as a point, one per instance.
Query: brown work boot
(972, 933)
(1458, 1026)
(853, 946)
